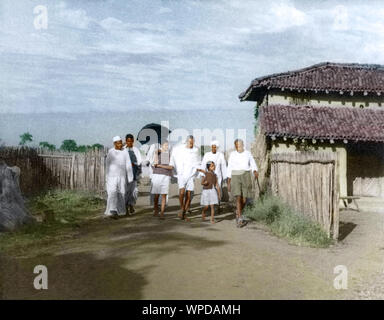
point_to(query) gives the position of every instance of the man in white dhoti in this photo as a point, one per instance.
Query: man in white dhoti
(118, 173)
(221, 166)
(136, 160)
(186, 160)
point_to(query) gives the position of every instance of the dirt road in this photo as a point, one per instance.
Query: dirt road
(142, 257)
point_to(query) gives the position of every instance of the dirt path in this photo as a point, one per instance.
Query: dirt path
(141, 257)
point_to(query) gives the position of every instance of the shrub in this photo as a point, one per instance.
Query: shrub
(283, 221)
(68, 210)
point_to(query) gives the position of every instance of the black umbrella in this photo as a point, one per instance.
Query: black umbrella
(153, 133)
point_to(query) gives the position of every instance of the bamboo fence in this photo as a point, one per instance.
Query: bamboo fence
(308, 182)
(44, 169)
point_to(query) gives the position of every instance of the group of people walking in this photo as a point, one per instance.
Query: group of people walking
(124, 166)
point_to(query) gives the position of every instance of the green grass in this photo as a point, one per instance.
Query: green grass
(70, 209)
(283, 221)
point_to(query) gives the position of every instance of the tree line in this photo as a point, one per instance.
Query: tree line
(66, 145)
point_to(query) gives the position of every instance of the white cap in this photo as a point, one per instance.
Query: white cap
(215, 143)
(117, 138)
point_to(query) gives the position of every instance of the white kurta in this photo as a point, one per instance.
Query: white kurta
(221, 165)
(241, 161)
(186, 161)
(176, 160)
(118, 173)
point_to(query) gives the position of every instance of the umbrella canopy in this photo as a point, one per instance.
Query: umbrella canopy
(153, 133)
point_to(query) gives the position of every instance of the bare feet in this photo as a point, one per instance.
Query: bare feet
(213, 221)
(113, 214)
(203, 216)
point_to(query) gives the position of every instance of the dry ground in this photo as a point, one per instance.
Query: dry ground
(142, 257)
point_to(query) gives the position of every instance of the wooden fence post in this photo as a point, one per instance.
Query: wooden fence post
(72, 172)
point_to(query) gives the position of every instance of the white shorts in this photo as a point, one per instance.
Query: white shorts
(187, 184)
(208, 197)
(160, 183)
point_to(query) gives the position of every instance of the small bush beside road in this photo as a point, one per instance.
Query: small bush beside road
(283, 221)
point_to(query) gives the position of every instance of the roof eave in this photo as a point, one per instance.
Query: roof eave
(253, 94)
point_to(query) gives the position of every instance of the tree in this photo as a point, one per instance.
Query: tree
(83, 148)
(69, 145)
(47, 145)
(97, 146)
(25, 138)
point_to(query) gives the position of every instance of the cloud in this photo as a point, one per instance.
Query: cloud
(111, 23)
(164, 10)
(175, 54)
(76, 18)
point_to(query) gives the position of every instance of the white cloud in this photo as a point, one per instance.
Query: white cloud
(191, 53)
(284, 15)
(111, 23)
(76, 18)
(164, 10)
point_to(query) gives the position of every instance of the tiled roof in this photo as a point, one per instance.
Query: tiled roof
(332, 77)
(306, 122)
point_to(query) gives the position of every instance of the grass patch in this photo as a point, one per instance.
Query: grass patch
(69, 209)
(283, 221)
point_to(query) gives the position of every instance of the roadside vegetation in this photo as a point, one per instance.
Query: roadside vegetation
(284, 222)
(59, 214)
(69, 145)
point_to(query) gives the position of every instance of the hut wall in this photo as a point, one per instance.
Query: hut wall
(339, 150)
(322, 99)
(366, 170)
(307, 181)
(261, 153)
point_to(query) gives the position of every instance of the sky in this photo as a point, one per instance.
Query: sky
(118, 55)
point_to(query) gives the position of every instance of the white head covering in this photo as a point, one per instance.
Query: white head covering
(117, 138)
(216, 143)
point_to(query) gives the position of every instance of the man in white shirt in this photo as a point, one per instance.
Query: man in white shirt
(118, 173)
(218, 158)
(241, 165)
(186, 161)
(135, 156)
